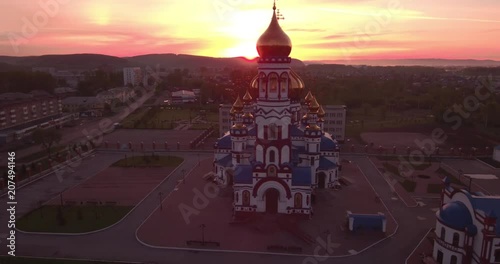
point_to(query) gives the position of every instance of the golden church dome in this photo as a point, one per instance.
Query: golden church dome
(274, 42)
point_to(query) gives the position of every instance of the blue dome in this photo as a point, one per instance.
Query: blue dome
(224, 142)
(327, 144)
(455, 215)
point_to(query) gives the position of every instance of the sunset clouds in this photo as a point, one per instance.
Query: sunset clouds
(319, 29)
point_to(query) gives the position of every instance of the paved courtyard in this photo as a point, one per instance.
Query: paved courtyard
(168, 228)
(115, 185)
(159, 136)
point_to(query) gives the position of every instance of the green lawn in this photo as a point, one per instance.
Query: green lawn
(75, 219)
(149, 161)
(407, 184)
(434, 188)
(491, 162)
(22, 260)
(157, 117)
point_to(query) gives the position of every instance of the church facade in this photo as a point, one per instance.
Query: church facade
(273, 156)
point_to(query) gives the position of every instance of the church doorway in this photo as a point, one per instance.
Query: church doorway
(272, 196)
(321, 180)
(229, 177)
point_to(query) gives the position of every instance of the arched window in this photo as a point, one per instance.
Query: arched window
(246, 198)
(456, 239)
(272, 156)
(273, 82)
(298, 200)
(273, 132)
(443, 234)
(454, 259)
(271, 171)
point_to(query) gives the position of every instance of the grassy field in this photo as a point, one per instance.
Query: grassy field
(22, 260)
(157, 117)
(149, 161)
(434, 188)
(407, 184)
(71, 219)
(491, 162)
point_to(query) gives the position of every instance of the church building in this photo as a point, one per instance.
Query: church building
(273, 157)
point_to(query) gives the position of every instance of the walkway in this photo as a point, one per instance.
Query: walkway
(119, 242)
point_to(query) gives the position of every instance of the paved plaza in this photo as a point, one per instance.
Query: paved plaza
(168, 227)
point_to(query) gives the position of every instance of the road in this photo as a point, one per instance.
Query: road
(73, 134)
(119, 242)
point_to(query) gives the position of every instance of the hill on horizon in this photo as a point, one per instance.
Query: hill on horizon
(92, 61)
(431, 62)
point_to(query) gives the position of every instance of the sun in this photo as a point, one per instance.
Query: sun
(246, 49)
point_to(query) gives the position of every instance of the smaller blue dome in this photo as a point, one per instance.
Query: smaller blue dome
(224, 142)
(455, 215)
(327, 144)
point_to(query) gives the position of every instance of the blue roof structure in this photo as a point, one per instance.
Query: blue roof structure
(455, 215)
(327, 144)
(325, 164)
(367, 221)
(243, 174)
(301, 176)
(225, 162)
(296, 132)
(224, 142)
(490, 206)
(252, 132)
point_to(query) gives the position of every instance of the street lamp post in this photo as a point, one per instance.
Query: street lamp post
(161, 205)
(327, 233)
(203, 234)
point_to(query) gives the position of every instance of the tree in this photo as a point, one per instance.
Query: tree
(47, 138)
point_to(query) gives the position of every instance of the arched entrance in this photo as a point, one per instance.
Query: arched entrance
(272, 196)
(229, 177)
(321, 180)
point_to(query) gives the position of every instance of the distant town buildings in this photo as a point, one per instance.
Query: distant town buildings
(183, 96)
(84, 106)
(19, 109)
(334, 120)
(121, 94)
(467, 227)
(71, 78)
(132, 76)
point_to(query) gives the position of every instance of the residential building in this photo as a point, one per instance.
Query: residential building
(27, 110)
(85, 106)
(132, 76)
(121, 94)
(183, 96)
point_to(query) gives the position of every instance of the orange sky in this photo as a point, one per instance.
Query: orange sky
(319, 29)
